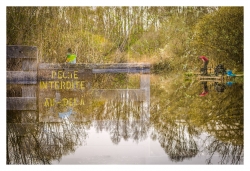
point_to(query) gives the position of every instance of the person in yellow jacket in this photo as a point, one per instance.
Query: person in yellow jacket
(71, 58)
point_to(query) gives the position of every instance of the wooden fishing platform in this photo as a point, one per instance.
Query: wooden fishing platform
(88, 69)
(210, 78)
(218, 78)
(98, 67)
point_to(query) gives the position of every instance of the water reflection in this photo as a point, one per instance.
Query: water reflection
(138, 108)
(41, 143)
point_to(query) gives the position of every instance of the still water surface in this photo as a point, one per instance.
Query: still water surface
(126, 119)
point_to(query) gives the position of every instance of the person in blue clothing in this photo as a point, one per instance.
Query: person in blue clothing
(230, 73)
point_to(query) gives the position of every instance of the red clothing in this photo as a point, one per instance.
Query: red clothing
(204, 93)
(203, 58)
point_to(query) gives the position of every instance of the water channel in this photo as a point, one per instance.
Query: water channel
(122, 118)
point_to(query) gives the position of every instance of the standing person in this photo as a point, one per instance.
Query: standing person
(205, 89)
(71, 58)
(205, 61)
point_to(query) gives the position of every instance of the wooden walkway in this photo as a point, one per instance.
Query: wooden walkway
(81, 66)
(210, 78)
(44, 70)
(98, 67)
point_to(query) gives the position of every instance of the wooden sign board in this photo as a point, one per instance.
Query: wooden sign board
(22, 64)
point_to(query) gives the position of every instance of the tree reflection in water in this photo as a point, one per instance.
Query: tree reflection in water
(176, 142)
(178, 119)
(230, 153)
(40, 143)
(122, 118)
